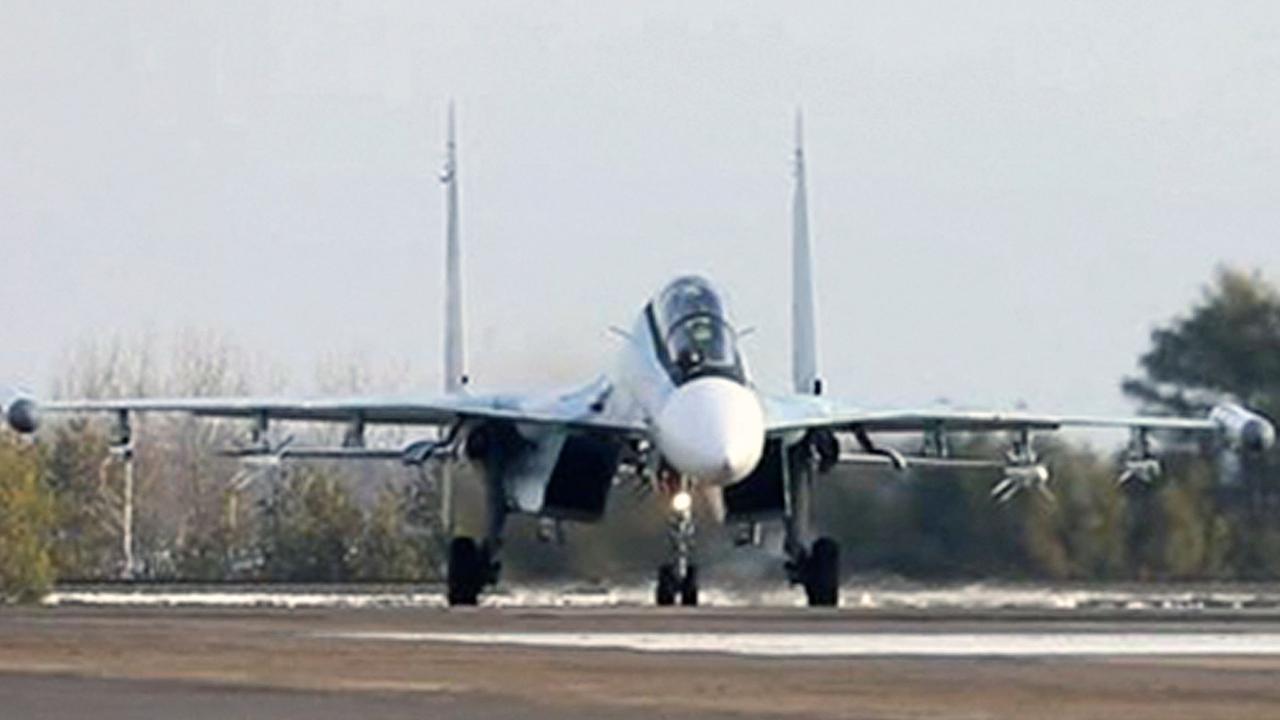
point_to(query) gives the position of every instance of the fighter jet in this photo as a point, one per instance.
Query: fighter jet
(679, 412)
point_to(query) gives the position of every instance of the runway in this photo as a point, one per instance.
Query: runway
(396, 662)
(868, 644)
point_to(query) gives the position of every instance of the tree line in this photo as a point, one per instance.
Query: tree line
(199, 516)
(1210, 516)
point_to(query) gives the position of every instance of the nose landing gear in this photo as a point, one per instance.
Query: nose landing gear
(671, 586)
(679, 578)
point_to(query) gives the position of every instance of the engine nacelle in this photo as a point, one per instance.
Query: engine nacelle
(554, 473)
(1242, 429)
(494, 441)
(23, 415)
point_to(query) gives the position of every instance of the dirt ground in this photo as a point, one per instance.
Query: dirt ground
(209, 663)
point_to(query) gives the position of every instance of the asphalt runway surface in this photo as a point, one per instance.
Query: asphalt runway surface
(196, 663)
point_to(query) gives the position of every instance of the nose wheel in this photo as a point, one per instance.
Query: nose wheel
(673, 587)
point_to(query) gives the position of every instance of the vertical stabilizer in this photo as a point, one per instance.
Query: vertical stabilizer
(804, 343)
(455, 374)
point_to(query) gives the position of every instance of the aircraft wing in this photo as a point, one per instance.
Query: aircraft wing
(584, 409)
(802, 412)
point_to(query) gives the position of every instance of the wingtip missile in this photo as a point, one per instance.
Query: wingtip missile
(1243, 429)
(22, 413)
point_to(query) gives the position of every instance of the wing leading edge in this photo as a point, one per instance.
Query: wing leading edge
(795, 413)
(582, 409)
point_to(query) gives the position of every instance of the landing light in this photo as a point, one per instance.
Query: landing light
(681, 502)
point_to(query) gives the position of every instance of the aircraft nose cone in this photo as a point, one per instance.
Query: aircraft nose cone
(712, 429)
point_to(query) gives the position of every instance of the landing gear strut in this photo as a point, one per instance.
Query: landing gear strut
(816, 565)
(474, 566)
(679, 578)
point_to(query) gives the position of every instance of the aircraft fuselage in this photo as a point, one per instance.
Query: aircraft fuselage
(682, 367)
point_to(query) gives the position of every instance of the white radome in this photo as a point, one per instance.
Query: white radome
(712, 429)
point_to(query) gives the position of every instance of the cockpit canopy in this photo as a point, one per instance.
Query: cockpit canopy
(692, 333)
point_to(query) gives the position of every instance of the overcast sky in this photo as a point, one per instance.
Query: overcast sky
(1006, 196)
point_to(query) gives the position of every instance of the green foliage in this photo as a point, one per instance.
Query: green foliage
(311, 530)
(1228, 343)
(1084, 531)
(218, 552)
(387, 549)
(86, 545)
(26, 518)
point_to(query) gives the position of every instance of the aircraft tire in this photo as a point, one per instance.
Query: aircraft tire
(466, 572)
(689, 588)
(822, 574)
(668, 585)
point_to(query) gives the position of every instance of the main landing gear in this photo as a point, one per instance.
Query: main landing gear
(818, 570)
(678, 579)
(816, 565)
(471, 568)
